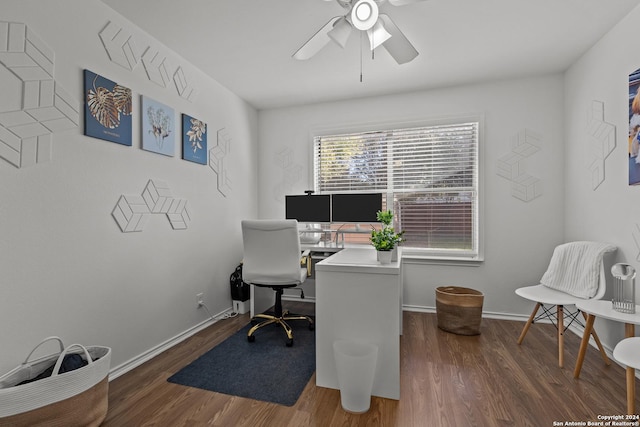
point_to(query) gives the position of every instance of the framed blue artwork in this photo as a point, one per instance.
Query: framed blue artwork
(194, 140)
(107, 109)
(158, 127)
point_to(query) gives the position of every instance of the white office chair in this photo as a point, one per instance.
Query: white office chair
(272, 258)
(575, 273)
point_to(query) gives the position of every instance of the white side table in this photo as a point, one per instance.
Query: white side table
(604, 309)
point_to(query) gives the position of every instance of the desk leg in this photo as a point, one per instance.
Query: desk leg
(583, 344)
(629, 331)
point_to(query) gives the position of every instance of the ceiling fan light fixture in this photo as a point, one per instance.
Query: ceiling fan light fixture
(377, 35)
(364, 14)
(340, 32)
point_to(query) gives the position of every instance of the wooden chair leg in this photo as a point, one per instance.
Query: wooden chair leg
(561, 336)
(529, 323)
(599, 344)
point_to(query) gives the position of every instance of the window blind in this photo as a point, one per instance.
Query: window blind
(430, 175)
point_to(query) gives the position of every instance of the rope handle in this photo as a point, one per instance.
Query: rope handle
(42, 342)
(64, 352)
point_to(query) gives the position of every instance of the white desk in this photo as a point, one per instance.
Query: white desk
(604, 309)
(359, 299)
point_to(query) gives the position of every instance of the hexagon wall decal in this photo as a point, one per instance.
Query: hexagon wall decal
(217, 156)
(45, 107)
(602, 142)
(512, 166)
(119, 46)
(132, 211)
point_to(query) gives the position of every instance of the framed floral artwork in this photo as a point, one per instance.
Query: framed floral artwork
(158, 127)
(107, 110)
(194, 140)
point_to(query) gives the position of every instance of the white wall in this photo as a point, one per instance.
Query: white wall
(519, 236)
(65, 267)
(609, 213)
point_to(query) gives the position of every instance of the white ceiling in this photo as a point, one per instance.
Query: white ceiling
(246, 45)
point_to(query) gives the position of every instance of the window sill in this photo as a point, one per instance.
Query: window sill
(413, 258)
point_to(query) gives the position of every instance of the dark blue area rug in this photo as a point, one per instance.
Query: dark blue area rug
(265, 369)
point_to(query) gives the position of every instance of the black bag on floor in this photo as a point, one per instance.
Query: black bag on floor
(239, 289)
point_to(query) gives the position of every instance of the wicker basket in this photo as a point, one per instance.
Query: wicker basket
(459, 310)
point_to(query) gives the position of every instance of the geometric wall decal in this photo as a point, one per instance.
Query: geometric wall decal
(119, 46)
(45, 107)
(184, 89)
(132, 212)
(217, 162)
(602, 142)
(512, 166)
(155, 66)
(291, 173)
(121, 49)
(636, 238)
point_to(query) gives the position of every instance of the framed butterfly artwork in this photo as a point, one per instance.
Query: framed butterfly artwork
(107, 110)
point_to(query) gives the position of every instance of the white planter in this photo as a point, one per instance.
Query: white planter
(384, 257)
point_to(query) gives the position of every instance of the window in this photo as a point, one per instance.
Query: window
(429, 175)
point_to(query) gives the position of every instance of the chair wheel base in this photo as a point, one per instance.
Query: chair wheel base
(251, 338)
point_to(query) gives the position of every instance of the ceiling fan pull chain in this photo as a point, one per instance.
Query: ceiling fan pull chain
(361, 55)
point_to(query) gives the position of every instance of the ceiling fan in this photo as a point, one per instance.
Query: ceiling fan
(364, 16)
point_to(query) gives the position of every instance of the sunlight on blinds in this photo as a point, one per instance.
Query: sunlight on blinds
(430, 174)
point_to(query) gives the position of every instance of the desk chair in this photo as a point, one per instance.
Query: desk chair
(272, 259)
(575, 273)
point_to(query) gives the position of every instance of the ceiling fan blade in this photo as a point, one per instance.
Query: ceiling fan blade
(398, 45)
(316, 42)
(403, 2)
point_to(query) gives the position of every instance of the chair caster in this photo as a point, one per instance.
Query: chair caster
(290, 343)
(311, 326)
(251, 338)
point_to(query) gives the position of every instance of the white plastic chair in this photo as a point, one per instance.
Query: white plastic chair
(547, 297)
(627, 352)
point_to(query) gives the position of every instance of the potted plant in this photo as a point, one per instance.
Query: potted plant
(386, 239)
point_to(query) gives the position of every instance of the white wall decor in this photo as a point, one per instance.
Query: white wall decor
(183, 87)
(636, 239)
(132, 212)
(155, 66)
(291, 173)
(119, 46)
(25, 134)
(512, 166)
(602, 142)
(217, 163)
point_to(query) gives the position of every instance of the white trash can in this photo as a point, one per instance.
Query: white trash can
(356, 367)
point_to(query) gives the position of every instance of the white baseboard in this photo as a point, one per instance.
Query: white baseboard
(153, 352)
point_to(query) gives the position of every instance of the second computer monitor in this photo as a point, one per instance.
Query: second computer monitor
(355, 207)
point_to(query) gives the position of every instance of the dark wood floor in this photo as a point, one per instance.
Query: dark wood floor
(446, 380)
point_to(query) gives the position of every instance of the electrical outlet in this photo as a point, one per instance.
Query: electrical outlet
(200, 299)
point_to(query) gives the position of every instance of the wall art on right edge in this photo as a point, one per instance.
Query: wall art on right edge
(194, 140)
(107, 111)
(634, 127)
(158, 128)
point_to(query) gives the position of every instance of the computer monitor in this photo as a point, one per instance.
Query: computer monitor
(355, 207)
(309, 208)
